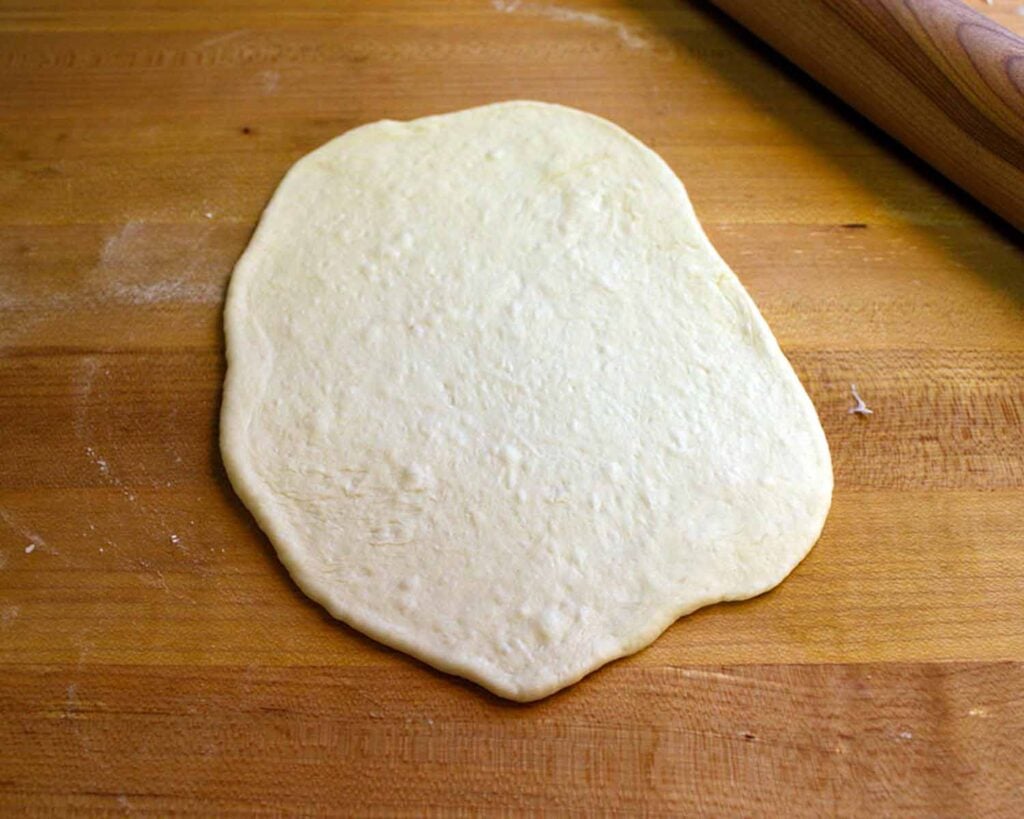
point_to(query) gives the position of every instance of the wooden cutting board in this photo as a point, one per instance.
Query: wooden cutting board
(154, 656)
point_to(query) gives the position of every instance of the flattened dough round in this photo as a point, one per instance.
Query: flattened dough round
(498, 402)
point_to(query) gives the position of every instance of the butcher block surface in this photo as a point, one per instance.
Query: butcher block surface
(154, 655)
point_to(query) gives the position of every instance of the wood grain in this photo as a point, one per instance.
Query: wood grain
(788, 740)
(155, 657)
(943, 79)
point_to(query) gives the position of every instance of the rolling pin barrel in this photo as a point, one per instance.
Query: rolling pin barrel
(944, 80)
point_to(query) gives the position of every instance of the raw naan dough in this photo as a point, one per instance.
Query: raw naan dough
(498, 402)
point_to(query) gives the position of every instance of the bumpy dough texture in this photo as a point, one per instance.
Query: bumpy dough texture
(498, 402)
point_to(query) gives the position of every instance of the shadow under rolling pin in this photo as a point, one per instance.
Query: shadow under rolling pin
(944, 80)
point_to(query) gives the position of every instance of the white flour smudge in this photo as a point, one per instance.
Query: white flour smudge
(151, 577)
(222, 38)
(122, 243)
(84, 378)
(126, 252)
(104, 468)
(172, 290)
(563, 14)
(269, 80)
(34, 538)
(70, 702)
(122, 274)
(8, 614)
(95, 450)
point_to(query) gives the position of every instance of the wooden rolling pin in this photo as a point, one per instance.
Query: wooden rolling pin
(944, 80)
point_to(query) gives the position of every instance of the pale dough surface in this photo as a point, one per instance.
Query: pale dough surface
(498, 402)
